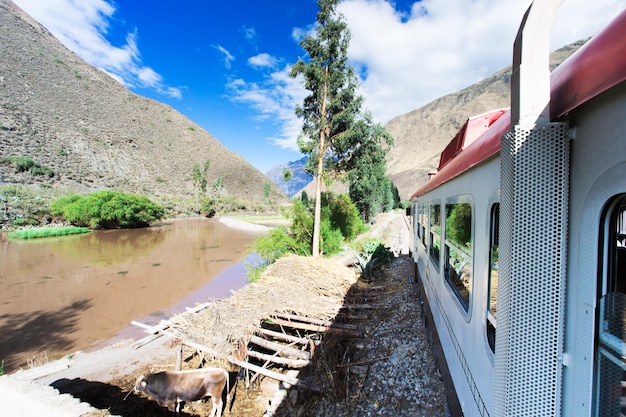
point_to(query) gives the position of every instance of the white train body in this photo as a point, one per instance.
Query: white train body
(521, 260)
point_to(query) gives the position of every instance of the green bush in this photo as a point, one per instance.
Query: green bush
(343, 215)
(374, 255)
(26, 164)
(108, 210)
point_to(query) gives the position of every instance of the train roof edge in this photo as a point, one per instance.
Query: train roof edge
(597, 66)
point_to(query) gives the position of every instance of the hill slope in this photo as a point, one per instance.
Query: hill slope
(421, 134)
(92, 132)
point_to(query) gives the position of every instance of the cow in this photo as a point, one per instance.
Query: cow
(171, 388)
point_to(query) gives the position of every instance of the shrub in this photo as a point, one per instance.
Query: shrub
(343, 215)
(108, 210)
(22, 163)
(374, 255)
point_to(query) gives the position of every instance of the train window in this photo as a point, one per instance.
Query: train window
(434, 241)
(492, 278)
(458, 248)
(424, 215)
(419, 221)
(423, 223)
(610, 369)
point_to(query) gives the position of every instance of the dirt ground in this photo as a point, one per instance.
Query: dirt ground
(105, 379)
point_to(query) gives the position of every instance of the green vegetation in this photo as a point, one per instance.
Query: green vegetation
(340, 223)
(200, 181)
(23, 206)
(267, 187)
(218, 186)
(47, 232)
(108, 210)
(27, 164)
(374, 255)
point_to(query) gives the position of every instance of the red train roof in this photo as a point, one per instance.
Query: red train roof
(596, 67)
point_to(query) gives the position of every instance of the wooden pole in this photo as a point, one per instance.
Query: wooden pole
(316, 328)
(294, 363)
(286, 337)
(318, 322)
(277, 347)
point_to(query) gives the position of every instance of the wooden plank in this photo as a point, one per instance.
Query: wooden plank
(318, 322)
(43, 370)
(281, 349)
(293, 363)
(287, 338)
(362, 306)
(316, 328)
(142, 342)
(199, 307)
(152, 329)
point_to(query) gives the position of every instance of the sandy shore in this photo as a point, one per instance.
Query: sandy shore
(243, 225)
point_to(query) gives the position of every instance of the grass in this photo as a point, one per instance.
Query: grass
(47, 232)
(259, 217)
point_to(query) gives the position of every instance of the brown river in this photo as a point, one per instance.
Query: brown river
(63, 294)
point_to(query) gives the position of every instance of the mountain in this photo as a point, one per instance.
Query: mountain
(420, 135)
(85, 131)
(299, 180)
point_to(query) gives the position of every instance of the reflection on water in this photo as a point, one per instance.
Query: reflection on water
(64, 294)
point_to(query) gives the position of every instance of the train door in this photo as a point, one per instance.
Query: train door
(610, 350)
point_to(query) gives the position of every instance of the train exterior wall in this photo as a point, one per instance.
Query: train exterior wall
(462, 329)
(598, 173)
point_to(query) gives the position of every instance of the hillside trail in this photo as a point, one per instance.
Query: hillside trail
(390, 372)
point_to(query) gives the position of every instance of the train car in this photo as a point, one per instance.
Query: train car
(520, 239)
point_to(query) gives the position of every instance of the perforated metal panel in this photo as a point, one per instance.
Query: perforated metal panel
(531, 288)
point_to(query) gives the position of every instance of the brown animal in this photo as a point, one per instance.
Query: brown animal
(171, 388)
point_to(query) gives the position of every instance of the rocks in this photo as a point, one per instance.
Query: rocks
(395, 373)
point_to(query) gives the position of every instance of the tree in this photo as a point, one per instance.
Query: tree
(200, 181)
(332, 106)
(287, 174)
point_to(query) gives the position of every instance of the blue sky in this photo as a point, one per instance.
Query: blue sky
(225, 64)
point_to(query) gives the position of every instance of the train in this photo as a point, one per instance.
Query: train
(520, 237)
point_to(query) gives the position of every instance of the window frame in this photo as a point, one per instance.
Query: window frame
(435, 258)
(494, 241)
(611, 297)
(464, 256)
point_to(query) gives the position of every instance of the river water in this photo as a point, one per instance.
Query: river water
(59, 295)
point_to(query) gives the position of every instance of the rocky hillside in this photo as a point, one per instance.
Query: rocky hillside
(421, 134)
(84, 131)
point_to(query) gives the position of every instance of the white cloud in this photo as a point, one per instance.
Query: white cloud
(274, 99)
(249, 34)
(444, 46)
(86, 37)
(262, 61)
(227, 56)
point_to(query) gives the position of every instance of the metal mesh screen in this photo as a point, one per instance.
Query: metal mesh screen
(533, 220)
